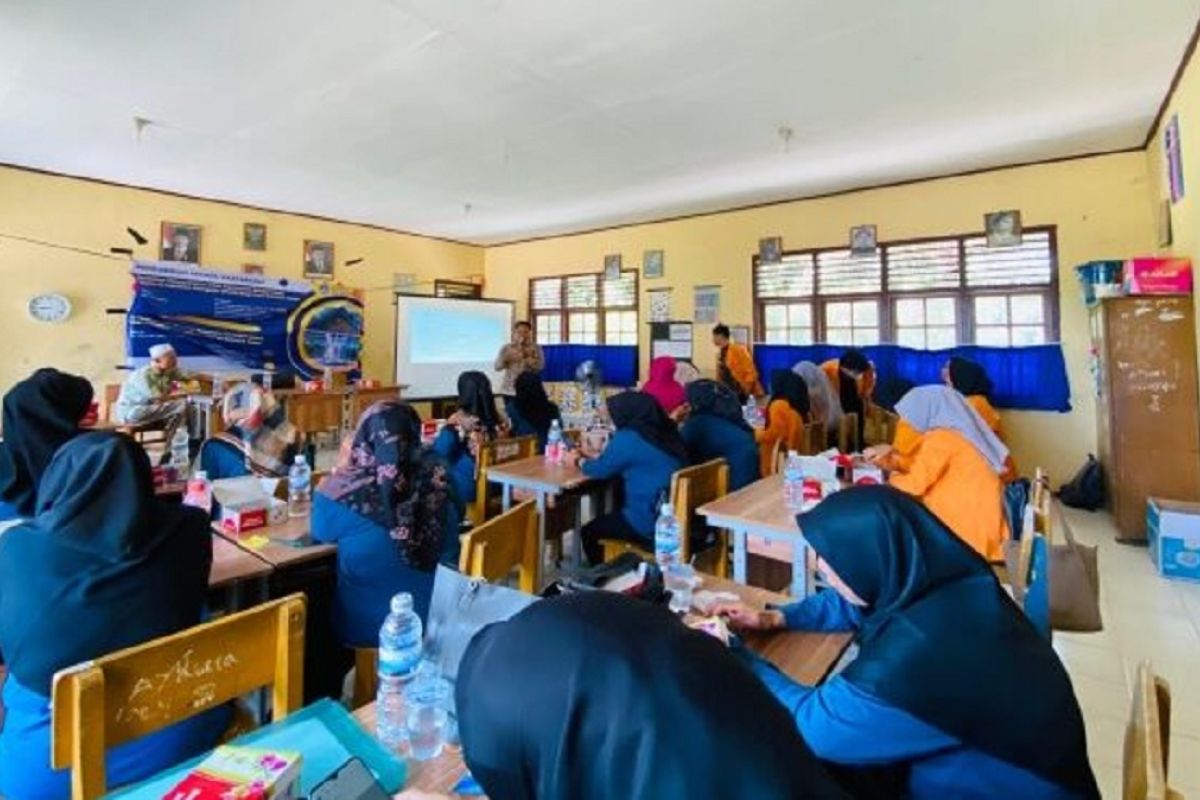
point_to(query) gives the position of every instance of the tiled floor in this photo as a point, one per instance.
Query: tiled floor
(1145, 617)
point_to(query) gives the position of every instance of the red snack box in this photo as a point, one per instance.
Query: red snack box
(1158, 275)
(239, 519)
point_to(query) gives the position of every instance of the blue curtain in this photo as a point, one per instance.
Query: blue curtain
(618, 363)
(1029, 378)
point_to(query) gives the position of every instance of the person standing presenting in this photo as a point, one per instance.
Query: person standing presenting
(735, 367)
(522, 354)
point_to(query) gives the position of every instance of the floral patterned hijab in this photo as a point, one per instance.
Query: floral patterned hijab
(385, 477)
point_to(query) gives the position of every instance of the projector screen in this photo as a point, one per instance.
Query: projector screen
(438, 338)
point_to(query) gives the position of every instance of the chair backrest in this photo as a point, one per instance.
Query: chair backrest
(813, 440)
(491, 550)
(498, 451)
(777, 454)
(1042, 500)
(1147, 739)
(692, 487)
(1031, 583)
(848, 438)
(112, 391)
(133, 692)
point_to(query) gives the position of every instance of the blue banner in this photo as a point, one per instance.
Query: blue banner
(227, 320)
(1029, 378)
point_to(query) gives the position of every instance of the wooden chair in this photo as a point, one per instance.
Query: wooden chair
(1031, 583)
(778, 453)
(134, 692)
(814, 439)
(143, 433)
(491, 453)
(1148, 739)
(691, 488)
(492, 550)
(1042, 501)
(848, 438)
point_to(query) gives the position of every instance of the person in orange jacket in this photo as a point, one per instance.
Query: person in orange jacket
(953, 465)
(735, 367)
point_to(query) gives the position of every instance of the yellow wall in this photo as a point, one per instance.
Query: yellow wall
(1097, 203)
(1185, 215)
(93, 216)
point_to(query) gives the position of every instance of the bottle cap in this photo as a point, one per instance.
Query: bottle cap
(299, 459)
(402, 603)
(201, 475)
(667, 508)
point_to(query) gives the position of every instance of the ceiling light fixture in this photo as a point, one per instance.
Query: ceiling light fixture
(786, 133)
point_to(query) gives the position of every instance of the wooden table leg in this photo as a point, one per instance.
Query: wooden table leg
(739, 556)
(541, 545)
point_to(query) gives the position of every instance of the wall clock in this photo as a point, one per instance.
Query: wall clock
(50, 307)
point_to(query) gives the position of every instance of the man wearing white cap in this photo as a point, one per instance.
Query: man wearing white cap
(146, 395)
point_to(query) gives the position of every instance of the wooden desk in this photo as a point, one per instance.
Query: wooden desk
(276, 553)
(544, 481)
(359, 400)
(232, 564)
(313, 412)
(806, 657)
(759, 510)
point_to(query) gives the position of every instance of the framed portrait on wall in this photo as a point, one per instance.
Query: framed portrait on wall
(1003, 228)
(863, 240)
(652, 264)
(254, 236)
(180, 242)
(770, 250)
(318, 260)
(612, 267)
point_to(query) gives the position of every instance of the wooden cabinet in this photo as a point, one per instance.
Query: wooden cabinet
(1147, 415)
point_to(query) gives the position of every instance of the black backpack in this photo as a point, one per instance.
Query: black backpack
(1086, 489)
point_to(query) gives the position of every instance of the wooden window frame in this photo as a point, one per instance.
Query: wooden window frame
(564, 311)
(964, 295)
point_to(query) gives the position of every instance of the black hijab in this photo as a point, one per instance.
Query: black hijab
(641, 413)
(854, 360)
(532, 402)
(969, 377)
(890, 391)
(707, 398)
(103, 565)
(596, 695)
(41, 413)
(787, 385)
(476, 398)
(941, 639)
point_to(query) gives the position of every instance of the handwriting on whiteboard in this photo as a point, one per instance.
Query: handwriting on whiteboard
(189, 679)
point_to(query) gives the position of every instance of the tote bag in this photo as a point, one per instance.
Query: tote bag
(460, 608)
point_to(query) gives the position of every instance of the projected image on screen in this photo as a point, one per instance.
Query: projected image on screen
(440, 335)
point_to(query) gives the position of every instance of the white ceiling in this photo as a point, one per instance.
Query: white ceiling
(491, 120)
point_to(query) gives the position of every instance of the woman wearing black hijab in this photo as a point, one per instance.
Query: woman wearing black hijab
(531, 410)
(952, 688)
(102, 566)
(643, 453)
(41, 413)
(475, 422)
(716, 428)
(787, 414)
(596, 696)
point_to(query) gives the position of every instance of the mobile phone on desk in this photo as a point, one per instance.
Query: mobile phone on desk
(351, 781)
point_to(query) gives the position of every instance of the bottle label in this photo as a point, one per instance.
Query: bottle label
(397, 661)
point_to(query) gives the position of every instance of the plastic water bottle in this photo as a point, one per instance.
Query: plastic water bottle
(793, 481)
(180, 457)
(199, 492)
(750, 412)
(299, 488)
(400, 653)
(666, 538)
(554, 444)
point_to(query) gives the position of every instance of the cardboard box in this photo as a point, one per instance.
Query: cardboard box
(245, 502)
(1173, 533)
(242, 773)
(1158, 275)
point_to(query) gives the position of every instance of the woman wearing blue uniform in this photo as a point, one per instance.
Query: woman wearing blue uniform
(953, 693)
(643, 453)
(102, 566)
(717, 428)
(387, 507)
(531, 412)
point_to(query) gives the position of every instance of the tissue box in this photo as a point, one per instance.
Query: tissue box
(1173, 533)
(242, 773)
(1158, 275)
(243, 516)
(866, 475)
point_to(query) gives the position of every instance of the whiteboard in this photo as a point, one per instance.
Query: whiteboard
(439, 338)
